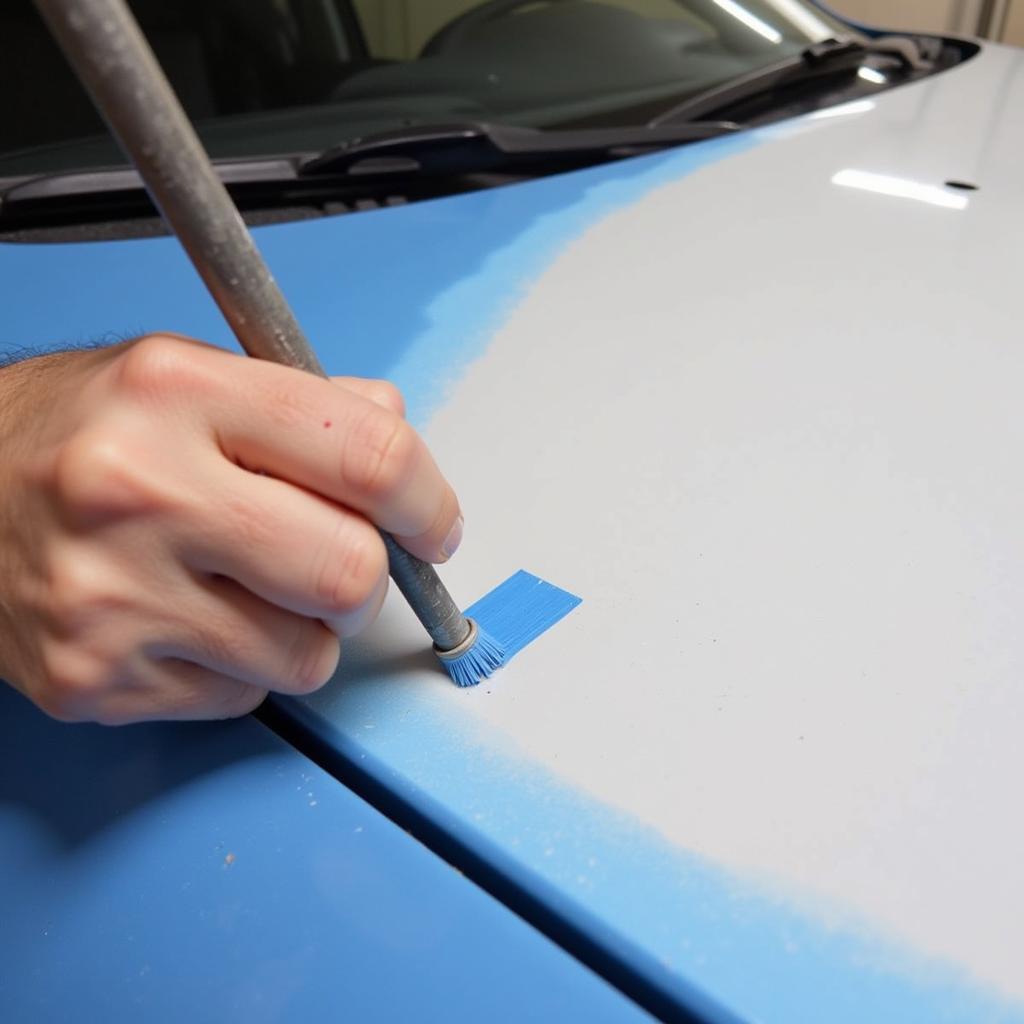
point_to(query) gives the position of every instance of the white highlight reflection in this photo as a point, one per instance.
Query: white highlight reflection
(853, 107)
(901, 188)
(871, 75)
(762, 28)
(799, 15)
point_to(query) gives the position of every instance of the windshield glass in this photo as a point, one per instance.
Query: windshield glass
(261, 77)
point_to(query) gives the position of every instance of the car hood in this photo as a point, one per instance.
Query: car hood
(756, 401)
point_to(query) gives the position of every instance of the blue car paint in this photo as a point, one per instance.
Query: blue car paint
(414, 294)
(723, 946)
(212, 873)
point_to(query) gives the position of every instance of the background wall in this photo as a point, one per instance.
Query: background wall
(398, 28)
(995, 19)
(928, 15)
(1015, 24)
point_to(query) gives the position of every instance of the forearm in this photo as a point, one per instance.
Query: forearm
(24, 376)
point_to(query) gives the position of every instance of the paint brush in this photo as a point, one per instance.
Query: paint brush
(108, 51)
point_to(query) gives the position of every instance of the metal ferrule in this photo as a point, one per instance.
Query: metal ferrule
(463, 648)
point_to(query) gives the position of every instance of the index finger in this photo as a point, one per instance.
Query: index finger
(329, 439)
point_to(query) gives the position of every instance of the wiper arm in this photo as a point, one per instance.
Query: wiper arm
(473, 148)
(425, 150)
(829, 57)
(357, 171)
(102, 181)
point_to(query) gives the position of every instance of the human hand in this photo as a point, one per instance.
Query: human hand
(183, 529)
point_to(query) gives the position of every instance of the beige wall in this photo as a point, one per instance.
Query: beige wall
(1015, 24)
(960, 16)
(926, 15)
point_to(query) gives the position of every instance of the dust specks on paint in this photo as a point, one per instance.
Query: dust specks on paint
(229, 859)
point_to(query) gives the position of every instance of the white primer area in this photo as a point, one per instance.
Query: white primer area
(774, 438)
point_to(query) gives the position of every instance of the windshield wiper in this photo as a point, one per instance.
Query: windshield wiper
(104, 181)
(827, 58)
(477, 148)
(421, 161)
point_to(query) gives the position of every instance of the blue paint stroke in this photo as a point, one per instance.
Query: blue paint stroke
(517, 611)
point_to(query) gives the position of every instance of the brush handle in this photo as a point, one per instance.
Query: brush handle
(108, 51)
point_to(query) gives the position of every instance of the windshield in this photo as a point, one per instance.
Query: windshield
(261, 77)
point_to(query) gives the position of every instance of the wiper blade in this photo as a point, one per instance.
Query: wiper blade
(423, 151)
(102, 181)
(265, 189)
(476, 147)
(425, 161)
(827, 58)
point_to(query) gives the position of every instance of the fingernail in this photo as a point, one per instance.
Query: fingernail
(453, 540)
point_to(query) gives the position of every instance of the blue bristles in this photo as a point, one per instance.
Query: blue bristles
(511, 616)
(478, 662)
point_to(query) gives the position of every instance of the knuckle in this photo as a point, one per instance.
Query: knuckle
(387, 394)
(157, 365)
(380, 454)
(72, 684)
(349, 569)
(98, 473)
(78, 592)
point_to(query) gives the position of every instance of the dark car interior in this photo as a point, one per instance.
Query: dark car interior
(229, 57)
(234, 57)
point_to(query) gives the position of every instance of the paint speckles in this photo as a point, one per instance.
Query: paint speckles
(229, 859)
(306, 779)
